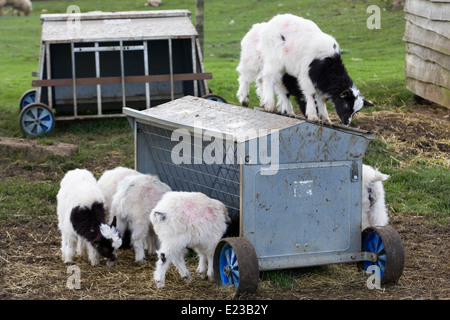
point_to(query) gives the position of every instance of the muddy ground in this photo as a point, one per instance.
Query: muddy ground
(31, 266)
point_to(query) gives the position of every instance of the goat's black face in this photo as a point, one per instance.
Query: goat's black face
(104, 248)
(348, 103)
(345, 106)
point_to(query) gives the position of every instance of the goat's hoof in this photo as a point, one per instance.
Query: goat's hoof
(141, 261)
(313, 119)
(160, 284)
(202, 275)
(245, 103)
(187, 278)
(109, 264)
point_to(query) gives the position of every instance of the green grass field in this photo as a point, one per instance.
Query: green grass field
(374, 59)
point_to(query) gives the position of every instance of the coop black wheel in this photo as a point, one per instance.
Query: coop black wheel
(385, 242)
(36, 119)
(27, 98)
(236, 264)
(214, 97)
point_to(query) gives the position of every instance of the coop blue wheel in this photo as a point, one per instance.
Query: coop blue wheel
(27, 98)
(36, 119)
(386, 244)
(214, 97)
(229, 267)
(373, 243)
(236, 264)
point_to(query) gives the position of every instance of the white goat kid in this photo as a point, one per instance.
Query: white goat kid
(187, 220)
(374, 212)
(132, 203)
(82, 219)
(110, 179)
(250, 67)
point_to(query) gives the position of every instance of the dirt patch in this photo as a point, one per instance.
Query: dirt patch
(423, 133)
(33, 151)
(31, 268)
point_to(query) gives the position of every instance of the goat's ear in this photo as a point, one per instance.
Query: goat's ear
(160, 216)
(368, 103)
(114, 222)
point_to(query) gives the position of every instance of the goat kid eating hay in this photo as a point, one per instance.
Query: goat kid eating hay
(185, 220)
(132, 204)
(82, 219)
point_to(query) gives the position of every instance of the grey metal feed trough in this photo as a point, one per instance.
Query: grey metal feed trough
(292, 188)
(92, 65)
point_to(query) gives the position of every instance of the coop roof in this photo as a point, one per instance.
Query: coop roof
(235, 122)
(113, 26)
(216, 117)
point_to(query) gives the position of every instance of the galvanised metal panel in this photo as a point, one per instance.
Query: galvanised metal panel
(304, 211)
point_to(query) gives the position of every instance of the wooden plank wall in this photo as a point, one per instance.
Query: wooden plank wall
(427, 37)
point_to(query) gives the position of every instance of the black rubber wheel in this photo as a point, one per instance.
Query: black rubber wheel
(385, 242)
(36, 119)
(214, 97)
(236, 264)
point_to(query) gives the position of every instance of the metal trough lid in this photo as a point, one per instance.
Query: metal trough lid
(114, 26)
(241, 123)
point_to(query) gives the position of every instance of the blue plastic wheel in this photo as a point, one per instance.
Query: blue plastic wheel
(374, 243)
(36, 119)
(27, 98)
(229, 267)
(385, 242)
(214, 97)
(236, 264)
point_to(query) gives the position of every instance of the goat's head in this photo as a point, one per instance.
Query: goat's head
(348, 103)
(108, 241)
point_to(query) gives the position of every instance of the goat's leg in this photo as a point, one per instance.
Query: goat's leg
(284, 105)
(210, 273)
(68, 244)
(178, 261)
(311, 112)
(93, 255)
(139, 233)
(243, 91)
(269, 76)
(201, 269)
(322, 110)
(162, 265)
(151, 243)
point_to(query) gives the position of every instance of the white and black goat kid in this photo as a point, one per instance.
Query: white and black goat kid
(296, 47)
(82, 219)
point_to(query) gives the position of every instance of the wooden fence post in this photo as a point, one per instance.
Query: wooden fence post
(199, 12)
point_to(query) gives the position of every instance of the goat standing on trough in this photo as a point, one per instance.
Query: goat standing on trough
(132, 203)
(82, 219)
(374, 212)
(187, 220)
(295, 46)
